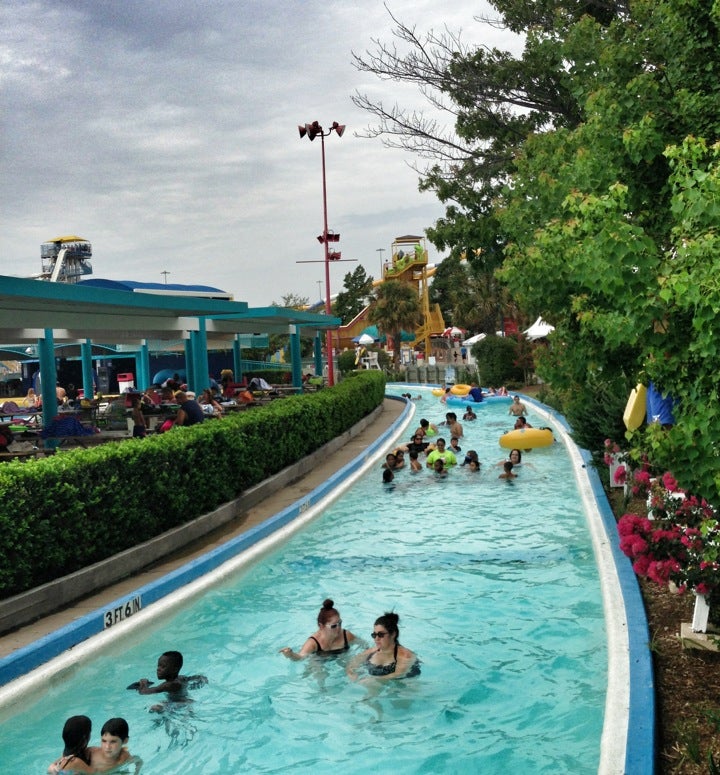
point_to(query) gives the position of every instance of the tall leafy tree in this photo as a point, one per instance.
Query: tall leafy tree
(608, 226)
(351, 301)
(396, 308)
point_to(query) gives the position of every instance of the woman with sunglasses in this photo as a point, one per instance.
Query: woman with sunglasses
(387, 659)
(330, 638)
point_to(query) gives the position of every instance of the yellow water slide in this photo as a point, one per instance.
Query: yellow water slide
(409, 263)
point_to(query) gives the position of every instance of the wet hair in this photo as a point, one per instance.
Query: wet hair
(328, 610)
(508, 466)
(117, 727)
(439, 440)
(388, 475)
(76, 736)
(389, 620)
(176, 660)
(413, 455)
(519, 454)
(424, 423)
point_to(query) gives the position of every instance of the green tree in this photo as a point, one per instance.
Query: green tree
(496, 358)
(351, 301)
(470, 295)
(611, 224)
(292, 301)
(396, 308)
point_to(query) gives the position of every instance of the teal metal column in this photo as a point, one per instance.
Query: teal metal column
(295, 356)
(48, 376)
(317, 351)
(189, 365)
(87, 370)
(237, 358)
(201, 373)
(142, 367)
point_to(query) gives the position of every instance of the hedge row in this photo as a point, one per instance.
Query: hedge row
(65, 512)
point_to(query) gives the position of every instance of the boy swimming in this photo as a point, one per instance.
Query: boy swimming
(171, 682)
(112, 751)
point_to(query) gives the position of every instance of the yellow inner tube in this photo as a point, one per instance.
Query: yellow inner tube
(460, 390)
(634, 414)
(438, 392)
(527, 438)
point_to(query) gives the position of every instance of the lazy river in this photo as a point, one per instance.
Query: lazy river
(498, 593)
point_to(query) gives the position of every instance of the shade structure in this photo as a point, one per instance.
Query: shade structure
(539, 330)
(473, 340)
(453, 331)
(364, 339)
(373, 333)
(405, 336)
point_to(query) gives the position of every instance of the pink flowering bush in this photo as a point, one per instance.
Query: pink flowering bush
(679, 543)
(620, 475)
(641, 484)
(611, 448)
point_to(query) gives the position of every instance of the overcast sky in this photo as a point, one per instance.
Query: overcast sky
(165, 133)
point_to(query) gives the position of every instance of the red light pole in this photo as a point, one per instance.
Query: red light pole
(312, 131)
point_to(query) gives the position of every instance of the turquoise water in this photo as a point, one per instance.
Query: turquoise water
(497, 592)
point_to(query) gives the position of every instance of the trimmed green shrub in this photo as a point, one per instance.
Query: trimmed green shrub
(496, 358)
(65, 512)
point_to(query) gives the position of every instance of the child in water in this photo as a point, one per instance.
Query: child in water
(76, 754)
(112, 751)
(415, 464)
(172, 683)
(507, 471)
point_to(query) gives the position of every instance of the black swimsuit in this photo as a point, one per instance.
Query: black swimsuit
(388, 669)
(321, 650)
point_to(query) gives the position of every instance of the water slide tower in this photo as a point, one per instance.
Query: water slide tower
(65, 259)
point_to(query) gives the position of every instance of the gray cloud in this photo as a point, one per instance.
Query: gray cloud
(166, 134)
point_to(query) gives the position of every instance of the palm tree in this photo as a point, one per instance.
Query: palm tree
(396, 308)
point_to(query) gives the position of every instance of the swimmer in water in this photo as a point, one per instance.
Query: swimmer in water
(76, 754)
(386, 660)
(329, 638)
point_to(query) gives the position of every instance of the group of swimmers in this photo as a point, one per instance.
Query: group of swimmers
(385, 660)
(79, 757)
(440, 457)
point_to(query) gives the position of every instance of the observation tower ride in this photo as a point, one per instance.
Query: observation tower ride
(65, 259)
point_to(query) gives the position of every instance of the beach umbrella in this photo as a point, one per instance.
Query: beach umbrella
(365, 339)
(453, 331)
(374, 333)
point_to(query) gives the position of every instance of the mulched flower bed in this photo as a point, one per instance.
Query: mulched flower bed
(687, 681)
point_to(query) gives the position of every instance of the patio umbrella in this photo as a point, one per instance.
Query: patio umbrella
(364, 339)
(453, 331)
(373, 332)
